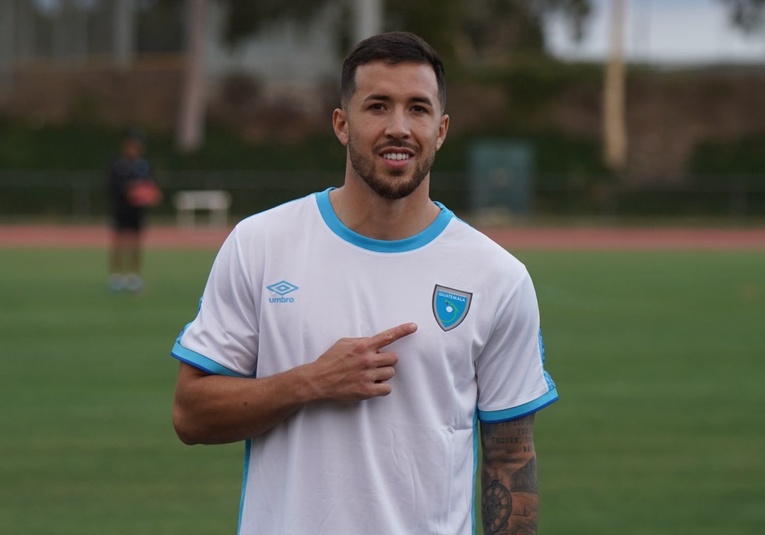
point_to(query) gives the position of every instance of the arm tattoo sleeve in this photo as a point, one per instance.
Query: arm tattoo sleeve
(510, 497)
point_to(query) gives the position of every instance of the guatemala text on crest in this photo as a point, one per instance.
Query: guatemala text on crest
(450, 306)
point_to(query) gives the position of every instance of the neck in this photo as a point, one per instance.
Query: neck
(365, 212)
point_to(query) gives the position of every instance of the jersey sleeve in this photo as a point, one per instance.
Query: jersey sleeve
(512, 381)
(223, 338)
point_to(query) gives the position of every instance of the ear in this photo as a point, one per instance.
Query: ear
(443, 128)
(340, 125)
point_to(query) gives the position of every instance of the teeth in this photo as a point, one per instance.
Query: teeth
(395, 156)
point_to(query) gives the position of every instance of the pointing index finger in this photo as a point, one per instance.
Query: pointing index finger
(389, 336)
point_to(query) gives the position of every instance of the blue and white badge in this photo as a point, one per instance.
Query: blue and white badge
(450, 306)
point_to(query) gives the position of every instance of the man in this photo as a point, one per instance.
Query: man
(131, 190)
(355, 337)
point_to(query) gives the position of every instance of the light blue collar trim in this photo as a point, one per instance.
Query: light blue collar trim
(381, 246)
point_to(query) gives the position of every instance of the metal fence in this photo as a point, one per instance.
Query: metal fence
(80, 195)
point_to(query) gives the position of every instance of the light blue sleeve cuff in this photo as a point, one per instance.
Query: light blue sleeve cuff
(200, 361)
(521, 410)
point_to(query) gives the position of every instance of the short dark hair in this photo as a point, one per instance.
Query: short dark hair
(393, 48)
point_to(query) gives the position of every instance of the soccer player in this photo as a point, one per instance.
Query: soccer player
(356, 338)
(131, 190)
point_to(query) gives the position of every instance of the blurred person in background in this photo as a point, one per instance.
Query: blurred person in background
(131, 191)
(356, 337)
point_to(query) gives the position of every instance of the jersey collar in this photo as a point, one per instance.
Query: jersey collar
(381, 246)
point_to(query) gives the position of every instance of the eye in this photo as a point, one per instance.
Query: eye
(419, 109)
(377, 106)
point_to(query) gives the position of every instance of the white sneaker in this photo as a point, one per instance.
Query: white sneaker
(134, 283)
(117, 282)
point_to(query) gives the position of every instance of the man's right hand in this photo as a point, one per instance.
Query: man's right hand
(216, 409)
(354, 369)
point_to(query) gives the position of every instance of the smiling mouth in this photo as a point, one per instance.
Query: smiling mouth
(396, 156)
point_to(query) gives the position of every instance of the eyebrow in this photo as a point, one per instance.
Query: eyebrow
(386, 98)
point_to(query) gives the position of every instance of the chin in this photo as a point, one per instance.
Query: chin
(395, 190)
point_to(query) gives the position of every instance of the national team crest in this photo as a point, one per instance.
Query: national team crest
(450, 306)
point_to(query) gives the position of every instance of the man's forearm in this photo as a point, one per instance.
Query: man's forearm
(510, 495)
(213, 409)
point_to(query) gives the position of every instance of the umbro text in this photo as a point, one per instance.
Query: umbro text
(281, 299)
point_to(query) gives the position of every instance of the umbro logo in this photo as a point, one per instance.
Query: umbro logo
(282, 288)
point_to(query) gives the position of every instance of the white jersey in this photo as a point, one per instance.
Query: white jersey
(291, 281)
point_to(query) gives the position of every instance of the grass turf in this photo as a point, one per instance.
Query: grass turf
(658, 359)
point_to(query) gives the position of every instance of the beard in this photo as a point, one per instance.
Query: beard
(397, 185)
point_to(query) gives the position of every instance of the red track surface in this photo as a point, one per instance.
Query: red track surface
(578, 238)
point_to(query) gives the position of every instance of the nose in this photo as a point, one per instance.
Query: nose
(398, 124)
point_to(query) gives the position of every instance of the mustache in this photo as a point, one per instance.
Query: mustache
(396, 144)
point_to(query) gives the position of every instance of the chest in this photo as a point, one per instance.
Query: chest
(309, 301)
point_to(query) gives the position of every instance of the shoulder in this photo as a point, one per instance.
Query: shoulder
(278, 223)
(286, 212)
(476, 248)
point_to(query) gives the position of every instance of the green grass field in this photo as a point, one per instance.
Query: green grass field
(658, 358)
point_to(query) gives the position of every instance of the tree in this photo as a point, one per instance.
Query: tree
(246, 17)
(467, 29)
(748, 15)
(486, 30)
(576, 13)
(243, 18)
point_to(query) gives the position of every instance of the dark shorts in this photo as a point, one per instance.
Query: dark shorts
(129, 220)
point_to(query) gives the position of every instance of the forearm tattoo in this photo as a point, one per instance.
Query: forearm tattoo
(510, 499)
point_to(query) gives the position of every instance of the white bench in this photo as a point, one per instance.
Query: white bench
(217, 202)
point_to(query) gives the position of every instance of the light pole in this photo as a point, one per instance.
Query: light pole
(367, 18)
(614, 113)
(190, 132)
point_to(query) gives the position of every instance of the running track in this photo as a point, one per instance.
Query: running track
(577, 238)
